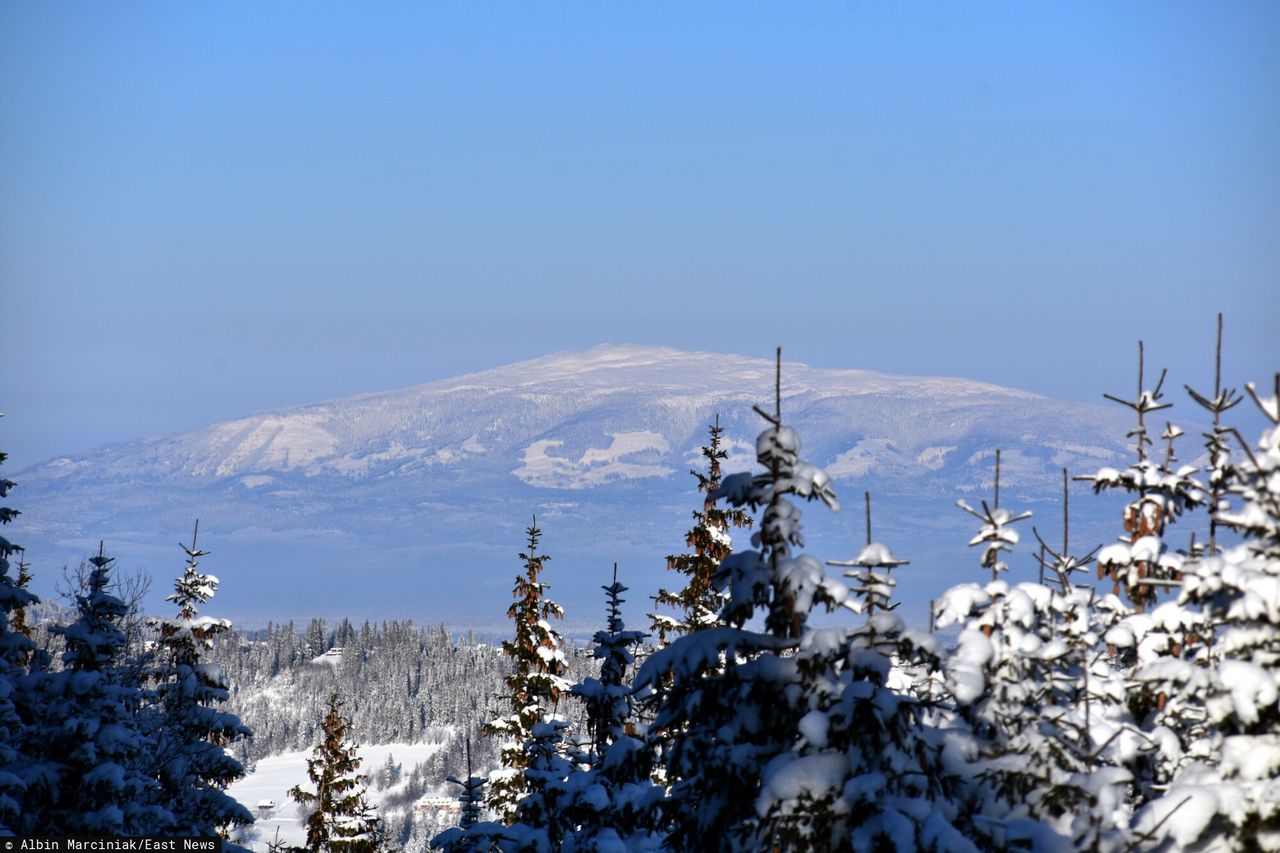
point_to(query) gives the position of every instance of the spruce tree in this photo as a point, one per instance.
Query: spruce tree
(610, 797)
(864, 770)
(608, 699)
(1217, 441)
(193, 764)
(544, 817)
(1041, 706)
(996, 534)
(1224, 696)
(472, 835)
(536, 682)
(390, 773)
(698, 604)
(15, 653)
(725, 699)
(471, 798)
(93, 774)
(339, 818)
(1141, 563)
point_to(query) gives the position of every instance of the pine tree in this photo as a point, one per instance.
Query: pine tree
(536, 682)
(194, 766)
(472, 796)
(699, 603)
(1141, 563)
(608, 698)
(15, 653)
(610, 797)
(93, 774)
(340, 818)
(1217, 441)
(864, 771)
(1226, 697)
(1041, 705)
(389, 776)
(724, 698)
(472, 835)
(996, 533)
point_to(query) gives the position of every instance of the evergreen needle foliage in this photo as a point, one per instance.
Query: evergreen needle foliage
(699, 603)
(536, 681)
(339, 818)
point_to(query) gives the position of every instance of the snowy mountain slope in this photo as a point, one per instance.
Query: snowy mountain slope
(565, 417)
(403, 483)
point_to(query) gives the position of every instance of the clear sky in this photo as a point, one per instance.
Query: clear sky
(208, 209)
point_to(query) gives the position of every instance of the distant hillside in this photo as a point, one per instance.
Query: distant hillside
(413, 502)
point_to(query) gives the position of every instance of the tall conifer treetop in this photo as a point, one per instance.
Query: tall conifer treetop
(15, 652)
(194, 767)
(698, 604)
(1141, 563)
(725, 698)
(340, 817)
(89, 723)
(536, 682)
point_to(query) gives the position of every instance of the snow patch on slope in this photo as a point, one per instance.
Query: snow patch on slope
(272, 443)
(866, 455)
(596, 465)
(933, 458)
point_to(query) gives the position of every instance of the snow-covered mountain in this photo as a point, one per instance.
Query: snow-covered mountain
(413, 502)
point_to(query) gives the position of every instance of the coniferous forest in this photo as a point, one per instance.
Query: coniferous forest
(775, 701)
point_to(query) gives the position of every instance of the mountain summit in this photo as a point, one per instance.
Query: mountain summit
(598, 443)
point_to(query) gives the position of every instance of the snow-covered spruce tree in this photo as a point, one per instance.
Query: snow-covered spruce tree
(1217, 441)
(390, 773)
(997, 534)
(872, 572)
(1255, 485)
(1141, 563)
(339, 816)
(1170, 647)
(609, 796)
(536, 681)
(865, 772)
(596, 798)
(1044, 710)
(727, 701)
(1225, 794)
(18, 618)
(15, 651)
(92, 774)
(471, 798)
(470, 835)
(545, 816)
(608, 699)
(698, 604)
(600, 797)
(192, 733)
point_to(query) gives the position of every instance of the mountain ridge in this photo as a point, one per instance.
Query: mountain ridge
(598, 443)
(295, 428)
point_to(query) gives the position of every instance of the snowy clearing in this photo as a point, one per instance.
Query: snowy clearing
(276, 774)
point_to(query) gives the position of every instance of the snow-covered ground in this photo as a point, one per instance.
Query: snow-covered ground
(276, 774)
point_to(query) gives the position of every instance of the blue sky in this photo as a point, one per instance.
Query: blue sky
(212, 209)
